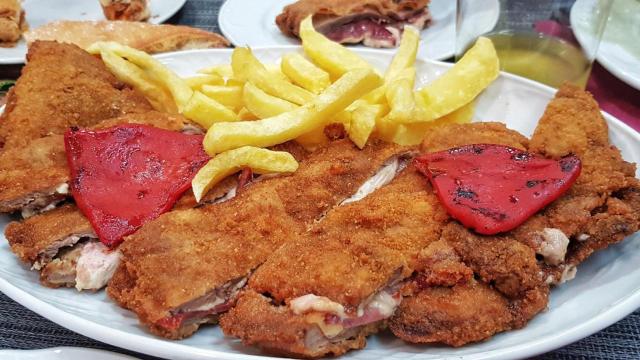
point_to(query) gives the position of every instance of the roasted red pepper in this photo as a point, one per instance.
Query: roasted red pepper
(126, 175)
(495, 188)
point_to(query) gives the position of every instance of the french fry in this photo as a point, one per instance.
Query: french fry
(230, 96)
(222, 70)
(261, 161)
(330, 56)
(262, 104)
(234, 82)
(405, 56)
(159, 97)
(304, 73)
(196, 82)
(287, 126)
(461, 115)
(276, 71)
(460, 84)
(399, 95)
(206, 111)
(161, 74)
(247, 68)
(245, 114)
(363, 122)
(413, 134)
(313, 139)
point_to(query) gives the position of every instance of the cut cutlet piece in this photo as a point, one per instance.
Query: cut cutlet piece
(468, 287)
(325, 291)
(62, 255)
(31, 239)
(20, 190)
(62, 245)
(63, 86)
(591, 215)
(602, 207)
(443, 301)
(310, 303)
(450, 306)
(215, 248)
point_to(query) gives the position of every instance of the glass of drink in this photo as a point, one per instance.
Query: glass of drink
(534, 38)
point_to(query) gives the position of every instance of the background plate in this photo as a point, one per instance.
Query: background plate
(257, 27)
(40, 12)
(606, 289)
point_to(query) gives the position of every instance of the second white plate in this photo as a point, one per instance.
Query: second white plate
(40, 12)
(252, 23)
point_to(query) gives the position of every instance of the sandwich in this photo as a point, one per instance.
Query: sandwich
(12, 22)
(129, 10)
(374, 23)
(150, 38)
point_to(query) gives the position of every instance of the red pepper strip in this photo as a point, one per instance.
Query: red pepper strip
(129, 174)
(495, 188)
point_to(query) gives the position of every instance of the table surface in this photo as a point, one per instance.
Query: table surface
(21, 328)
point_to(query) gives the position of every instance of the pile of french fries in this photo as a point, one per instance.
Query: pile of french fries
(247, 106)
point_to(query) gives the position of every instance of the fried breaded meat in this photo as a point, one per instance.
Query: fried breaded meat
(63, 86)
(324, 292)
(489, 284)
(215, 248)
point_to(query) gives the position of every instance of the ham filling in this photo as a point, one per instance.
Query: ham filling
(205, 308)
(331, 317)
(373, 30)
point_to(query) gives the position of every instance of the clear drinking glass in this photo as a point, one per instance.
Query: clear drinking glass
(535, 38)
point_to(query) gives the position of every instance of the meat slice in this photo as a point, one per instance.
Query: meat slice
(213, 247)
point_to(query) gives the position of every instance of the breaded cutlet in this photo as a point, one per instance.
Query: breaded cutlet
(61, 86)
(324, 292)
(215, 248)
(21, 191)
(517, 269)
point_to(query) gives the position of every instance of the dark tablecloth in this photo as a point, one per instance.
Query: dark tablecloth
(20, 328)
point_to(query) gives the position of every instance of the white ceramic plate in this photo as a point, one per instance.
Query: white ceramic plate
(62, 353)
(252, 23)
(619, 50)
(606, 289)
(40, 12)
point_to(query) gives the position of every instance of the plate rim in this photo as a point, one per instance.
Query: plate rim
(177, 5)
(160, 347)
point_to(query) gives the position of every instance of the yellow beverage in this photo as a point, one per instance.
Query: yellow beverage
(542, 58)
